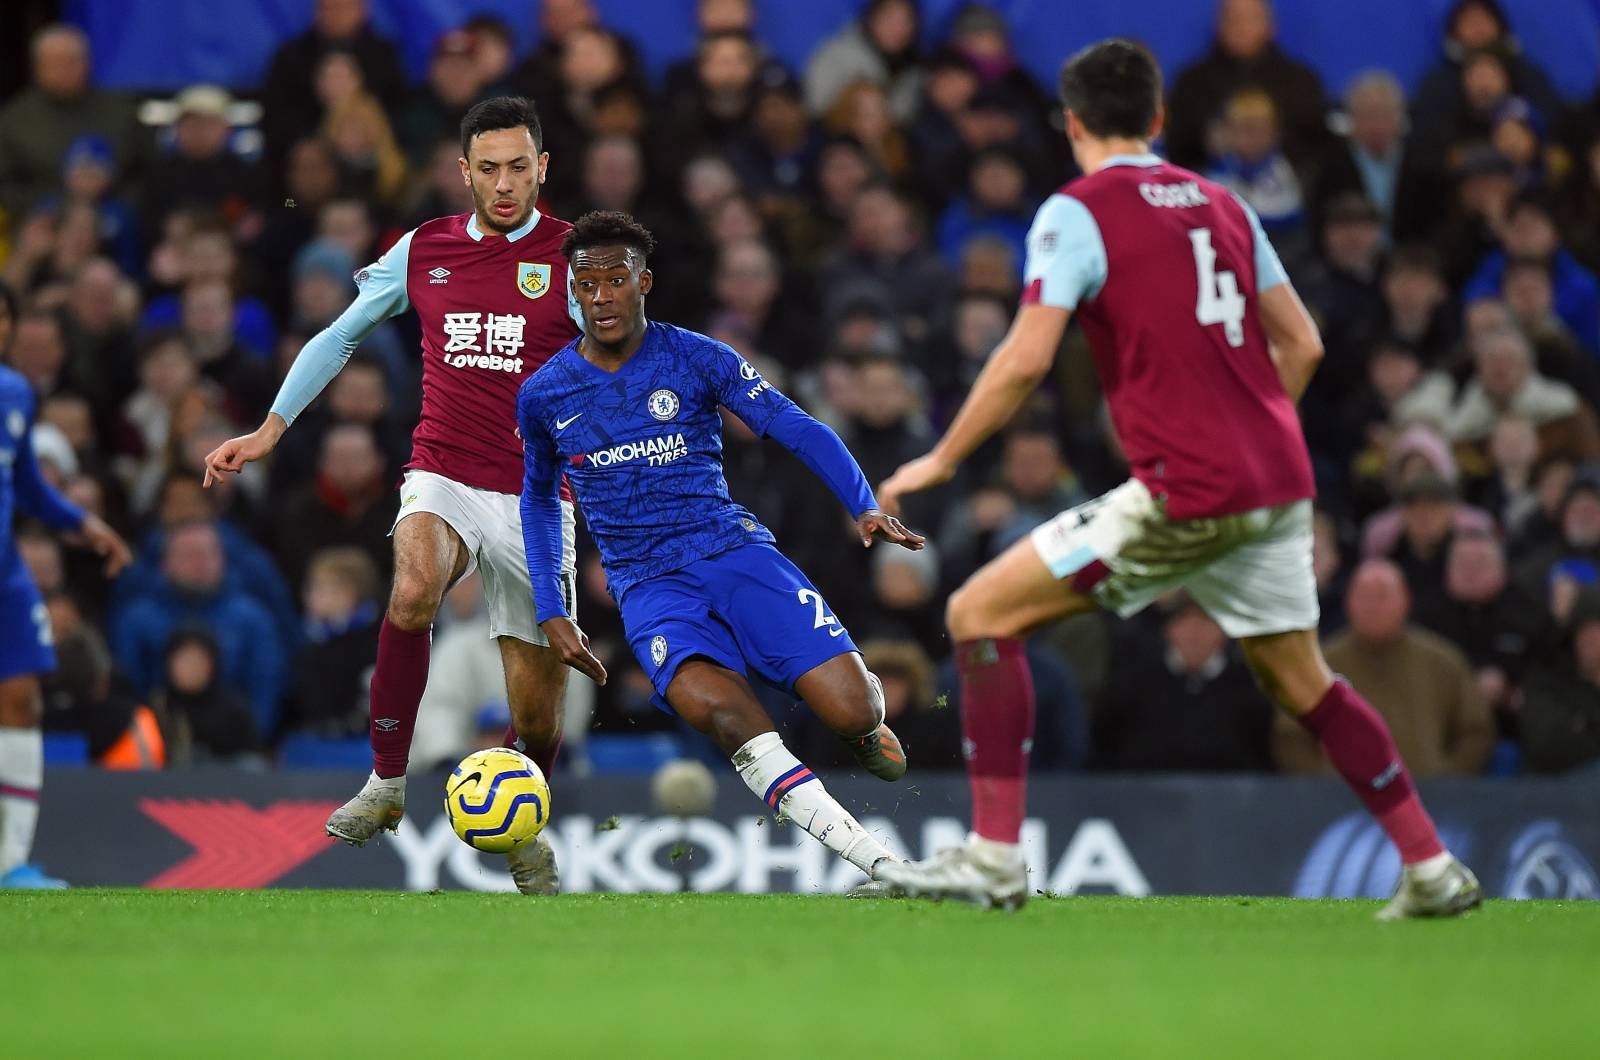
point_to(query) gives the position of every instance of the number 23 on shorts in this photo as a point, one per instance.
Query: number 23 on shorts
(824, 620)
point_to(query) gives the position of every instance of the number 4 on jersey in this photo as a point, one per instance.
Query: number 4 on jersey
(1220, 301)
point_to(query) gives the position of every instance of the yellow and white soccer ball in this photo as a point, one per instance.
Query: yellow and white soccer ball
(497, 800)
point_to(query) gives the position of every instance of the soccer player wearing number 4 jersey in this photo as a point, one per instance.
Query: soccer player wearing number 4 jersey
(630, 411)
(1203, 348)
(490, 290)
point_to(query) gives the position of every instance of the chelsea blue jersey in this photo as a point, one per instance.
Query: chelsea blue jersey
(642, 447)
(22, 488)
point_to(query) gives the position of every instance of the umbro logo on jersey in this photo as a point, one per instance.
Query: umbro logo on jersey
(440, 275)
(562, 425)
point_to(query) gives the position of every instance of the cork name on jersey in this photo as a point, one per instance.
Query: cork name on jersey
(484, 340)
(1174, 196)
(654, 451)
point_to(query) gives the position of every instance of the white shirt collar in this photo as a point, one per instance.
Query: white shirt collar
(1132, 160)
(512, 236)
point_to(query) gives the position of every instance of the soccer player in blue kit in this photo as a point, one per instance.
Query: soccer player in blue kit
(25, 637)
(629, 412)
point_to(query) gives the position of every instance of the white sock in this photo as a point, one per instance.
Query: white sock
(21, 777)
(375, 781)
(785, 785)
(993, 852)
(1430, 869)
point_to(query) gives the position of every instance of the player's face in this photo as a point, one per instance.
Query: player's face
(504, 169)
(610, 284)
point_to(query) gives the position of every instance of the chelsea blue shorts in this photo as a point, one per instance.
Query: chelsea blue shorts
(748, 609)
(25, 640)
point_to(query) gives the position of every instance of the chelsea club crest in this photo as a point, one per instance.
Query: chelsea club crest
(533, 280)
(663, 405)
(658, 651)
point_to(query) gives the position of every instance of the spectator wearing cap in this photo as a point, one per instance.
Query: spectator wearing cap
(1485, 188)
(1341, 288)
(1421, 684)
(997, 203)
(289, 94)
(879, 47)
(1375, 157)
(1492, 621)
(454, 83)
(1506, 382)
(1193, 709)
(61, 104)
(1431, 514)
(1559, 715)
(1245, 54)
(1529, 233)
(1518, 132)
(199, 170)
(323, 289)
(88, 180)
(776, 159)
(1442, 103)
(980, 35)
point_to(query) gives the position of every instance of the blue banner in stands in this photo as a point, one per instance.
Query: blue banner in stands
(166, 44)
(1127, 835)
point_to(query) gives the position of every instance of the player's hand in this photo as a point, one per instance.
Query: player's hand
(873, 524)
(232, 455)
(923, 473)
(572, 644)
(97, 534)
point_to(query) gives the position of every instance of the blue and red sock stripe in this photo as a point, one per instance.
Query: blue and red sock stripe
(788, 782)
(11, 791)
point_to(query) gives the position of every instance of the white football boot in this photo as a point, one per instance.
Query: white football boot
(966, 873)
(378, 805)
(1450, 892)
(533, 867)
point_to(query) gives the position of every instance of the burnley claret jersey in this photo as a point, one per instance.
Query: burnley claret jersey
(1162, 268)
(642, 447)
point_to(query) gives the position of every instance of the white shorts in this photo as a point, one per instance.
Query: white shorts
(1251, 572)
(491, 526)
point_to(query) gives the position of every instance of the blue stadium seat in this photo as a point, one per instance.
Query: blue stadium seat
(621, 755)
(303, 751)
(66, 749)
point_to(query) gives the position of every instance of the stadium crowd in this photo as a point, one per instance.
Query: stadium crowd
(856, 228)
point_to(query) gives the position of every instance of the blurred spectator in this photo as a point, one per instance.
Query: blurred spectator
(39, 351)
(1342, 289)
(201, 171)
(204, 250)
(997, 203)
(1417, 301)
(290, 92)
(1492, 621)
(357, 128)
(494, 52)
(88, 180)
(1579, 198)
(862, 113)
(358, 395)
(1035, 485)
(243, 374)
(1420, 683)
(1519, 133)
(1484, 191)
(323, 289)
(886, 252)
(441, 192)
(879, 47)
(1196, 710)
(1510, 495)
(541, 76)
(1559, 718)
(1375, 158)
(310, 178)
(777, 158)
(1530, 233)
(328, 690)
(887, 425)
(1244, 56)
(1553, 571)
(1398, 392)
(348, 222)
(167, 371)
(748, 288)
(1444, 105)
(977, 324)
(194, 591)
(349, 503)
(454, 82)
(86, 695)
(98, 328)
(1327, 566)
(711, 17)
(905, 590)
(42, 121)
(935, 133)
(207, 718)
(1506, 382)
(1249, 160)
(592, 61)
(980, 36)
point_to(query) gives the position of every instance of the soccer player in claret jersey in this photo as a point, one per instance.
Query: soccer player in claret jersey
(490, 289)
(630, 411)
(1203, 348)
(25, 643)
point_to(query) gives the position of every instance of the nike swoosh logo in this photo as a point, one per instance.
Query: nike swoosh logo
(836, 631)
(562, 425)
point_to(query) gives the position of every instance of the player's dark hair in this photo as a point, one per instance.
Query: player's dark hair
(1114, 87)
(607, 228)
(501, 112)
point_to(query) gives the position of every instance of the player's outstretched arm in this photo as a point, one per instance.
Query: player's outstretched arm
(1015, 369)
(1292, 336)
(37, 498)
(231, 456)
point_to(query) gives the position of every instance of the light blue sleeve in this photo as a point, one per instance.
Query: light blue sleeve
(573, 309)
(381, 295)
(1066, 256)
(1269, 270)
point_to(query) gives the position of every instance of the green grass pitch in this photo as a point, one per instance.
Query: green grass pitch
(230, 975)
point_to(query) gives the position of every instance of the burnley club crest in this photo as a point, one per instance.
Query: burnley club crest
(533, 280)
